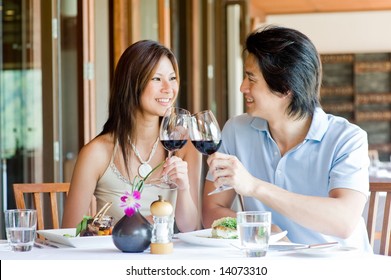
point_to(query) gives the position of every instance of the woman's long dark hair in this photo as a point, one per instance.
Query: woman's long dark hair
(134, 70)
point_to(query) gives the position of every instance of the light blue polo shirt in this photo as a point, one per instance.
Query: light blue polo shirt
(334, 154)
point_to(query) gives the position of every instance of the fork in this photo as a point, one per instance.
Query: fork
(39, 243)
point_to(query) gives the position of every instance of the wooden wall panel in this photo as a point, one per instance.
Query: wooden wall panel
(358, 87)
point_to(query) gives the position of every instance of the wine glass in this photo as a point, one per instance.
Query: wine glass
(174, 129)
(205, 134)
(173, 136)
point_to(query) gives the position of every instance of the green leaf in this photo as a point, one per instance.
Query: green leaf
(82, 225)
(156, 167)
(78, 229)
(229, 223)
(138, 183)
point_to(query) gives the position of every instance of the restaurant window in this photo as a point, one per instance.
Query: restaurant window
(21, 127)
(39, 91)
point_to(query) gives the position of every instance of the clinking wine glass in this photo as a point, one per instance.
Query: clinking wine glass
(174, 132)
(205, 134)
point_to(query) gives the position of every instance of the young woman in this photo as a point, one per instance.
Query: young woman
(146, 83)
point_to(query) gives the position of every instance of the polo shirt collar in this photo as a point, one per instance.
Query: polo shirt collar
(318, 128)
(319, 125)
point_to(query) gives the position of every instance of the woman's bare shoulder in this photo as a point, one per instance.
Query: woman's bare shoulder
(100, 148)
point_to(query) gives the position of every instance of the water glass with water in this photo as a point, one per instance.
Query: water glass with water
(254, 231)
(20, 226)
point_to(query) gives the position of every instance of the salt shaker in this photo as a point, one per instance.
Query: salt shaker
(161, 242)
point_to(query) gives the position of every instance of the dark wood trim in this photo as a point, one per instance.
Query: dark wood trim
(121, 27)
(221, 64)
(164, 33)
(181, 47)
(220, 100)
(48, 115)
(111, 38)
(80, 77)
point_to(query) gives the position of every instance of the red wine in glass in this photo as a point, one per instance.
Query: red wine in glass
(173, 145)
(207, 147)
(205, 133)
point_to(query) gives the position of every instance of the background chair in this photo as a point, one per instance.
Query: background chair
(385, 234)
(38, 191)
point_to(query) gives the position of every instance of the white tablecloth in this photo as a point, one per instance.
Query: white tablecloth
(182, 251)
(279, 265)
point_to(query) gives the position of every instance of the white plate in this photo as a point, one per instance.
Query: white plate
(57, 236)
(204, 237)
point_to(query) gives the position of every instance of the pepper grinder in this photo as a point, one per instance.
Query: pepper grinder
(161, 242)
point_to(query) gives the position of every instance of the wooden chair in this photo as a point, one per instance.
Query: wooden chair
(385, 234)
(37, 190)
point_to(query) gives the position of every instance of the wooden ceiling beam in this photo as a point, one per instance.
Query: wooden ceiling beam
(316, 6)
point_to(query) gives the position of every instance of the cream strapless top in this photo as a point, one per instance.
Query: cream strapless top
(112, 185)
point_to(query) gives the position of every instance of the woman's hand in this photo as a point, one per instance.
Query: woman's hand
(177, 171)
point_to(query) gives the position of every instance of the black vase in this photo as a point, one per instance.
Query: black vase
(132, 234)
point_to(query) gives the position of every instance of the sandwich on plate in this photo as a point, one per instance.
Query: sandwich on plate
(225, 228)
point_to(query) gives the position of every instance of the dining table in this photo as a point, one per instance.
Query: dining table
(191, 261)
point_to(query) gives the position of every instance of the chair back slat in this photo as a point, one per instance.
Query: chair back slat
(385, 247)
(19, 199)
(37, 190)
(38, 207)
(385, 233)
(372, 214)
(53, 200)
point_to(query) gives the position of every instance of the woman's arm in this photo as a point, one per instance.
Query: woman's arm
(91, 163)
(185, 170)
(217, 205)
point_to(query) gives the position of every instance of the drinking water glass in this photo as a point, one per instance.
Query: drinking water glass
(254, 231)
(20, 226)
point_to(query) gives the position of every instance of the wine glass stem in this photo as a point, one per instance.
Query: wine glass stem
(166, 178)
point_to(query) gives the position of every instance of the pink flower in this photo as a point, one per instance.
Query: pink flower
(129, 201)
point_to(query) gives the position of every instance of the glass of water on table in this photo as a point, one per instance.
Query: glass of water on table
(254, 231)
(20, 226)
